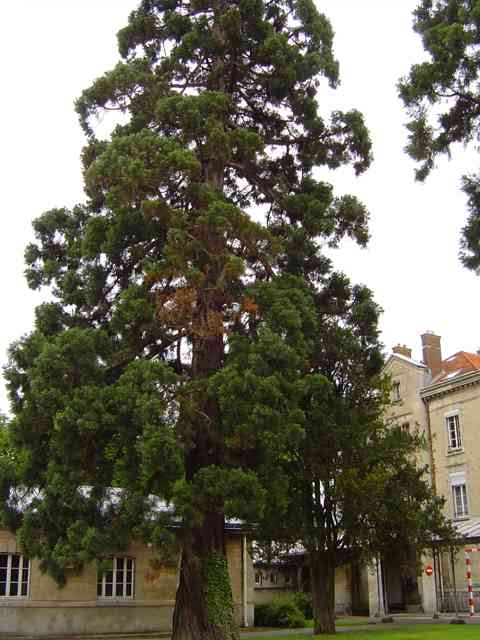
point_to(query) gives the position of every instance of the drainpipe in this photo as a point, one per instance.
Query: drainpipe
(436, 576)
(245, 581)
(430, 445)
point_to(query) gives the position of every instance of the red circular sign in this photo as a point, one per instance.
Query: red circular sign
(429, 569)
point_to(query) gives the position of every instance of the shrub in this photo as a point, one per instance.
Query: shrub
(282, 612)
(304, 603)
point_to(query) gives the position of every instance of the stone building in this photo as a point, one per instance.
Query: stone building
(135, 594)
(441, 398)
(291, 574)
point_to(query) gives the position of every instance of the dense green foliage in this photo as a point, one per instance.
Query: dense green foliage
(443, 99)
(281, 612)
(304, 603)
(184, 289)
(350, 488)
(218, 593)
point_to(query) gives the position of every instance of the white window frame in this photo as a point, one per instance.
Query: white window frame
(463, 498)
(103, 580)
(396, 396)
(24, 563)
(458, 484)
(455, 417)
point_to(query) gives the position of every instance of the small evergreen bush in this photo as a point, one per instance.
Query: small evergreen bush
(282, 612)
(304, 603)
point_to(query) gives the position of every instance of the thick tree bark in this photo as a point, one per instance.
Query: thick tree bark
(322, 571)
(204, 604)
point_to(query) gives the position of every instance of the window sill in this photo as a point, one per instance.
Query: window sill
(461, 518)
(114, 598)
(454, 452)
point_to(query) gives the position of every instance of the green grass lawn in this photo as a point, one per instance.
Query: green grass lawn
(346, 622)
(352, 621)
(410, 632)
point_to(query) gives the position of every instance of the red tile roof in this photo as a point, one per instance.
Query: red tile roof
(458, 364)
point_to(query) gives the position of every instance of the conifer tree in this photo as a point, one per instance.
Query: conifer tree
(349, 488)
(204, 222)
(442, 98)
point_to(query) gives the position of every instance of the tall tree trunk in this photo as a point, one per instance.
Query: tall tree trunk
(322, 572)
(204, 602)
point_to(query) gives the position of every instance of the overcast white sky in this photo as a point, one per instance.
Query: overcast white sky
(52, 49)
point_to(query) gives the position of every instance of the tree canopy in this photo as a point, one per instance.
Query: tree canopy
(199, 247)
(443, 100)
(350, 489)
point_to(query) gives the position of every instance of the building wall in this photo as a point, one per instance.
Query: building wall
(268, 591)
(410, 409)
(375, 597)
(75, 609)
(343, 589)
(465, 400)
(427, 405)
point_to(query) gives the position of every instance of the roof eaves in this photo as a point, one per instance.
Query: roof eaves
(447, 385)
(402, 358)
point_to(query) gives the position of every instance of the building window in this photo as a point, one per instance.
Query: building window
(117, 580)
(258, 578)
(14, 572)
(453, 432)
(273, 578)
(396, 392)
(460, 502)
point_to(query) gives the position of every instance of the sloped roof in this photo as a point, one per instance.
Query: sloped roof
(468, 529)
(456, 365)
(403, 358)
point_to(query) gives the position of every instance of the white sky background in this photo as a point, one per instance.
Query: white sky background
(53, 49)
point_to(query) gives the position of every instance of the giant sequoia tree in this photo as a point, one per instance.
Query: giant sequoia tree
(163, 277)
(443, 99)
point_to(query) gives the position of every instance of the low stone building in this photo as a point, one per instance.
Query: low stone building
(134, 595)
(291, 574)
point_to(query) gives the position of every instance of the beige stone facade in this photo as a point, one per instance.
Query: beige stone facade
(440, 398)
(145, 603)
(454, 406)
(286, 578)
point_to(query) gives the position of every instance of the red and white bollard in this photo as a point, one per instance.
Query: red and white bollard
(471, 603)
